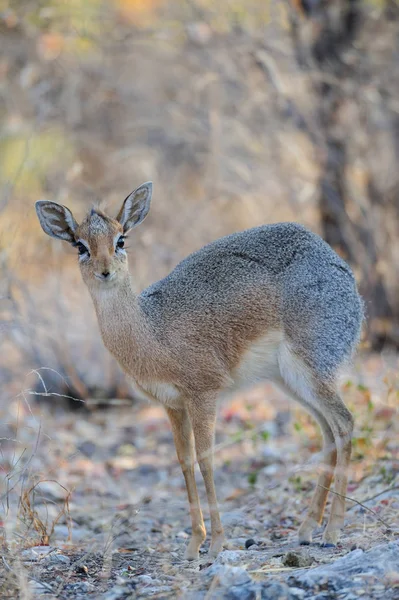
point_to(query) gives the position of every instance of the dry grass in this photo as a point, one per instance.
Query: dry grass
(41, 530)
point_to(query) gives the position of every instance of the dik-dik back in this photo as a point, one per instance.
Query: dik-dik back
(274, 302)
(272, 278)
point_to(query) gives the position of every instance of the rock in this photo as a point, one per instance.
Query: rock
(55, 558)
(249, 543)
(199, 33)
(275, 590)
(341, 574)
(81, 587)
(122, 463)
(233, 576)
(238, 592)
(298, 593)
(121, 592)
(146, 469)
(145, 579)
(183, 535)
(271, 470)
(236, 543)
(87, 448)
(36, 587)
(36, 553)
(61, 532)
(51, 490)
(226, 574)
(270, 456)
(233, 519)
(152, 591)
(230, 583)
(231, 557)
(295, 559)
(29, 75)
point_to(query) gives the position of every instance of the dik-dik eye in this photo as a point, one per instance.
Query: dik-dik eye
(83, 251)
(121, 242)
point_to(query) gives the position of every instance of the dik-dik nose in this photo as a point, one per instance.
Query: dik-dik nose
(105, 275)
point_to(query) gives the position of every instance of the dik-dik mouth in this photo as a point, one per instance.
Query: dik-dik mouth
(105, 277)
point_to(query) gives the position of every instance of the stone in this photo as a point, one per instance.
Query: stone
(230, 583)
(153, 590)
(36, 553)
(295, 559)
(341, 574)
(271, 470)
(233, 519)
(238, 592)
(81, 587)
(87, 448)
(55, 558)
(183, 535)
(61, 532)
(145, 579)
(36, 587)
(233, 576)
(52, 491)
(227, 575)
(297, 593)
(276, 591)
(231, 557)
(120, 592)
(270, 456)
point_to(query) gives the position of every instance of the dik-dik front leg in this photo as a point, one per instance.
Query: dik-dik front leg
(184, 442)
(202, 413)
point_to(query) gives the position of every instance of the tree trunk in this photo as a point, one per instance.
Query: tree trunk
(342, 46)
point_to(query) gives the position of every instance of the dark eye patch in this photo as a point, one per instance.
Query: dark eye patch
(121, 242)
(82, 249)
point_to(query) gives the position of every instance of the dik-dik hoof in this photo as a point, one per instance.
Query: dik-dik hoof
(216, 547)
(330, 538)
(305, 533)
(192, 551)
(191, 554)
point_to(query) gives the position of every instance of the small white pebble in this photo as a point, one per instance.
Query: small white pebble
(183, 535)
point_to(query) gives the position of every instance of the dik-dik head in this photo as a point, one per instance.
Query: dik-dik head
(99, 238)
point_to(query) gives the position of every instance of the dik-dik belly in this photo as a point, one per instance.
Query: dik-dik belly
(259, 362)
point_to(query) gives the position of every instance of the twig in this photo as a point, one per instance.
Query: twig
(49, 394)
(359, 503)
(277, 569)
(395, 487)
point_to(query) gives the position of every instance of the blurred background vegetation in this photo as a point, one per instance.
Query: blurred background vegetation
(241, 112)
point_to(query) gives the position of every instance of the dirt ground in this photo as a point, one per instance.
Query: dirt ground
(94, 502)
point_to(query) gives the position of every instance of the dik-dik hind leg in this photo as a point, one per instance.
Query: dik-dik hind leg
(202, 414)
(318, 502)
(184, 442)
(315, 513)
(341, 423)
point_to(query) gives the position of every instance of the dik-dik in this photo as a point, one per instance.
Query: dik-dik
(274, 302)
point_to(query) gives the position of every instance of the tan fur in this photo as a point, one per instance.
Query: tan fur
(222, 320)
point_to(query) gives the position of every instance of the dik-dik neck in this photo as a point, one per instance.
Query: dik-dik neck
(123, 326)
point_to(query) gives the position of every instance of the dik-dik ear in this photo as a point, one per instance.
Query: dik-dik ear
(56, 220)
(135, 208)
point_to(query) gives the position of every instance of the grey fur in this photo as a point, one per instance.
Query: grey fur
(311, 289)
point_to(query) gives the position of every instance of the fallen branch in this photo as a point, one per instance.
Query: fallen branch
(395, 487)
(359, 503)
